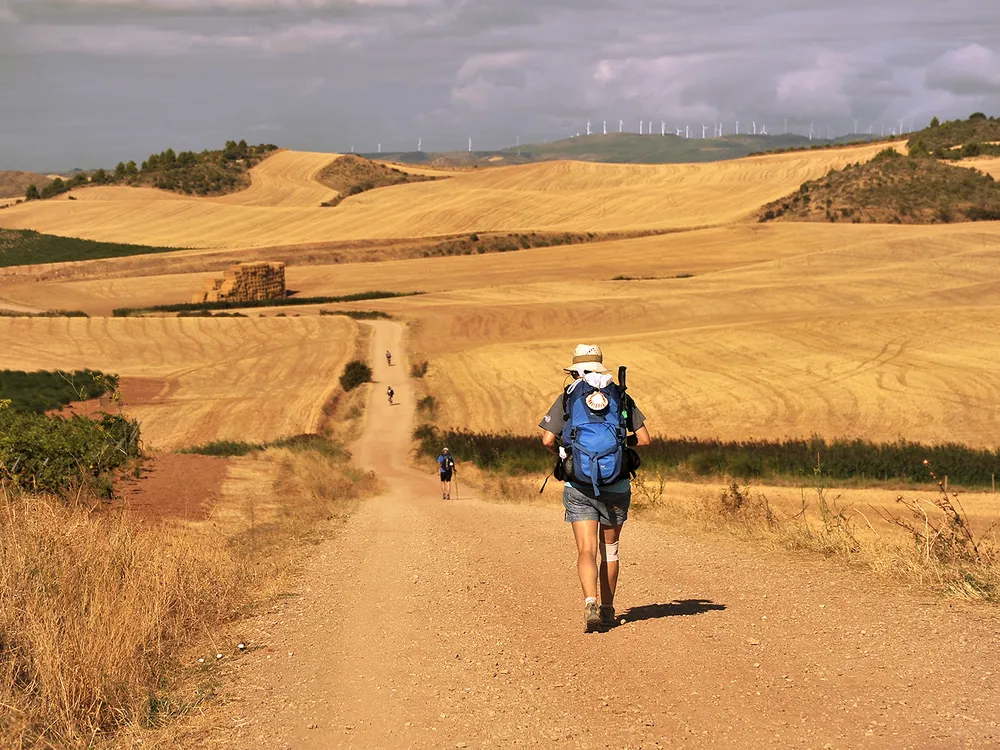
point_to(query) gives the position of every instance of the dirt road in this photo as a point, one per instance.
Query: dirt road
(459, 624)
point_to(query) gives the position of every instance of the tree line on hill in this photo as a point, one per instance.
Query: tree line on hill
(203, 173)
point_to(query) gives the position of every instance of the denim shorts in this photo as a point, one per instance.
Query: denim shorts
(610, 509)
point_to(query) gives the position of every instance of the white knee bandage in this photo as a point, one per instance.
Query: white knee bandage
(609, 552)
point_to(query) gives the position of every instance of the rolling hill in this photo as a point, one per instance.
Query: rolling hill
(282, 206)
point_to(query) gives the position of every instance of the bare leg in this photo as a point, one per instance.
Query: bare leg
(609, 570)
(585, 533)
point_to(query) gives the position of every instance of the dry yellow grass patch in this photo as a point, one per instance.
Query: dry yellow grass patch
(552, 196)
(100, 614)
(210, 379)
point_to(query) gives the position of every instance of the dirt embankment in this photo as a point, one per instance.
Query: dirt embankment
(14, 184)
(351, 175)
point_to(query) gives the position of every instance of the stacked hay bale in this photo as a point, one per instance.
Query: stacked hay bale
(245, 282)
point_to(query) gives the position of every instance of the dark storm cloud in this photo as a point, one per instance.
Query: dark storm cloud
(87, 82)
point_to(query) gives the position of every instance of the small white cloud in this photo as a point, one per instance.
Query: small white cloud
(970, 71)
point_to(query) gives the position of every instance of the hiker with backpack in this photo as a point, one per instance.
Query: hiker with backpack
(446, 465)
(388, 358)
(593, 427)
(390, 393)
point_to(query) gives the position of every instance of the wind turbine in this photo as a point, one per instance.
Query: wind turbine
(900, 127)
(829, 133)
(763, 129)
(704, 129)
(380, 148)
(649, 130)
(640, 127)
(856, 125)
(663, 128)
(419, 143)
(722, 129)
(677, 132)
(605, 127)
(754, 122)
(588, 127)
(687, 131)
(811, 131)
(470, 144)
(737, 127)
(621, 124)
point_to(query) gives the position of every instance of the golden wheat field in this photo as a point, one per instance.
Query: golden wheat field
(551, 196)
(864, 334)
(194, 380)
(734, 330)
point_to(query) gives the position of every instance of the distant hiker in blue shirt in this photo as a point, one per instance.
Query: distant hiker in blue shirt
(592, 426)
(446, 464)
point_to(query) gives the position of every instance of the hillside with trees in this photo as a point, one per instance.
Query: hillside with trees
(892, 189)
(204, 173)
(978, 135)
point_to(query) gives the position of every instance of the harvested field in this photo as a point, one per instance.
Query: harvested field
(882, 338)
(216, 379)
(553, 196)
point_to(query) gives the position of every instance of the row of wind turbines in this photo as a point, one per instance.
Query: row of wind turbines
(646, 127)
(718, 130)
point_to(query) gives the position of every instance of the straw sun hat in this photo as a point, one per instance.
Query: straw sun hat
(586, 358)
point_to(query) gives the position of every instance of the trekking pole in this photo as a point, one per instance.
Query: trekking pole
(455, 479)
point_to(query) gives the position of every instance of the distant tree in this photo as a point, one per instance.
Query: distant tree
(80, 178)
(977, 116)
(100, 177)
(31, 194)
(131, 170)
(120, 171)
(168, 159)
(935, 122)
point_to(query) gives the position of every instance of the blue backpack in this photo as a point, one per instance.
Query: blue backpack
(595, 439)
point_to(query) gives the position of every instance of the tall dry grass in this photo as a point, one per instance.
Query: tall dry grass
(928, 541)
(98, 609)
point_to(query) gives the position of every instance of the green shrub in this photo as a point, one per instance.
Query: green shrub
(356, 373)
(419, 369)
(427, 405)
(59, 455)
(45, 390)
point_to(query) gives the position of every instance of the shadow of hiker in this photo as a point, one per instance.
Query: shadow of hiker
(678, 608)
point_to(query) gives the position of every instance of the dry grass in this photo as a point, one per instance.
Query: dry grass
(98, 609)
(203, 379)
(940, 552)
(551, 196)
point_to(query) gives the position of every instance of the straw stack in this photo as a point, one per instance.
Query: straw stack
(245, 282)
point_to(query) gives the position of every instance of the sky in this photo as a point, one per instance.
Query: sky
(86, 83)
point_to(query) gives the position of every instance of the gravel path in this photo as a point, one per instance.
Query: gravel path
(459, 624)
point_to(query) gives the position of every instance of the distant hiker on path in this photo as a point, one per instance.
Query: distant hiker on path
(388, 358)
(390, 393)
(446, 464)
(592, 427)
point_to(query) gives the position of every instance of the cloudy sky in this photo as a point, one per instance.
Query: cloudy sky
(88, 82)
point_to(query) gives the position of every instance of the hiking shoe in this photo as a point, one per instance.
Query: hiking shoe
(591, 618)
(608, 616)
